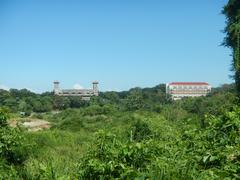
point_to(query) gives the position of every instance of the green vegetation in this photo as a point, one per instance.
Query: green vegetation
(232, 40)
(136, 134)
(13, 149)
(133, 134)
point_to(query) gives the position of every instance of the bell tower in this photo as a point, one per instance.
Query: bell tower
(95, 88)
(56, 87)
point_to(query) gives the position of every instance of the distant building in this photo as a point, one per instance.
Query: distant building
(178, 90)
(86, 94)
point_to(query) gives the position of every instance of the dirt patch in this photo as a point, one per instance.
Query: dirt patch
(36, 125)
(31, 124)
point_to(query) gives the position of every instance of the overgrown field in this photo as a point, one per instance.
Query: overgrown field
(109, 139)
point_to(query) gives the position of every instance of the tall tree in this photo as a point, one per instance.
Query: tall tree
(232, 39)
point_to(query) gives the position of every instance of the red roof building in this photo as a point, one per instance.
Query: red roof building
(188, 83)
(178, 90)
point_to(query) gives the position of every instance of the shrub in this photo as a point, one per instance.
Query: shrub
(140, 131)
(113, 159)
(94, 110)
(216, 148)
(13, 147)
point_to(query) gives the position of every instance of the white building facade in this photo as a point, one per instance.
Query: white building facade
(86, 94)
(179, 90)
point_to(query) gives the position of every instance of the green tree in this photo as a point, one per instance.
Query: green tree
(24, 107)
(111, 97)
(61, 103)
(134, 101)
(232, 40)
(77, 102)
(47, 104)
(12, 103)
(3, 96)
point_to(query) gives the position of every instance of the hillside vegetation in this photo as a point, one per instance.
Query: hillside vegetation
(134, 134)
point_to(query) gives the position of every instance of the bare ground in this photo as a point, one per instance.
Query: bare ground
(32, 125)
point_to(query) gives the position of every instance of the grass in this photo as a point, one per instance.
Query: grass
(55, 149)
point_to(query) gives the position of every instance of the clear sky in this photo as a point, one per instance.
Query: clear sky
(120, 43)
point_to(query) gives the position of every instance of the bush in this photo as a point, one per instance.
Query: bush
(112, 159)
(13, 147)
(216, 148)
(94, 110)
(3, 119)
(140, 131)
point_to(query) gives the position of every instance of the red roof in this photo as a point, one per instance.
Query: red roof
(188, 83)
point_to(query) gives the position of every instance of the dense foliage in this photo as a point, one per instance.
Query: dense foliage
(25, 102)
(232, 40)
(13, 148)
(149, 99)
(132, 134)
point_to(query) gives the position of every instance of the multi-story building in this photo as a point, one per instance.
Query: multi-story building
(86, 94)
(178, 90)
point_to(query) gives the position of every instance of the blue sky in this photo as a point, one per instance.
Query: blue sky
(120, 43)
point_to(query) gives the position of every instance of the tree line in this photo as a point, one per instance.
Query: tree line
(152, 99)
